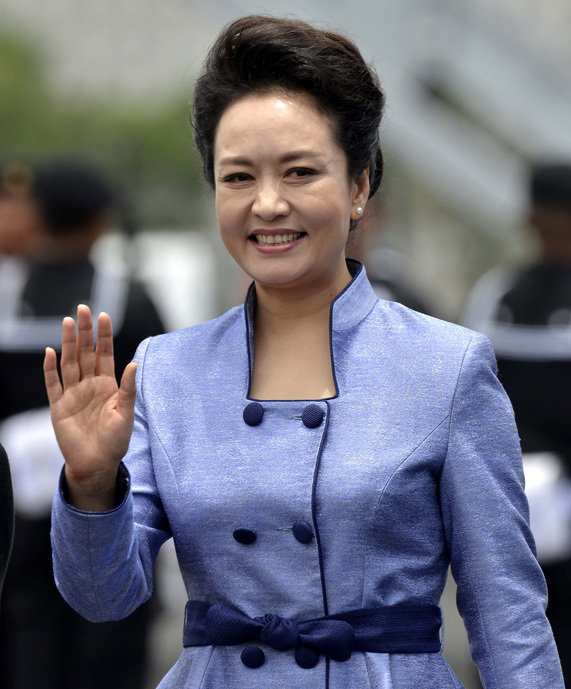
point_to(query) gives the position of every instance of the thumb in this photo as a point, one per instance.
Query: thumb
(127, 390)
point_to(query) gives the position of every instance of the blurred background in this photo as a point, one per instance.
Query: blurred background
(476, 90)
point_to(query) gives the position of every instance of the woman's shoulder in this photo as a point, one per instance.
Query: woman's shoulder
(426, 343)
(424, 353)
(198, 332)
(194, 348)
(421, 329)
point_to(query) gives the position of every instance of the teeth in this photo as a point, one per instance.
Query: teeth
(277, 238)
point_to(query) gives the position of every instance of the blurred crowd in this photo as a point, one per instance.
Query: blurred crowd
(52, 215)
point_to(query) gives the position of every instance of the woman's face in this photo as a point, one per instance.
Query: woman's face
(284, 199)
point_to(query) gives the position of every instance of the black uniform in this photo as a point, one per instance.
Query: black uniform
(44, 644)
(527, 315)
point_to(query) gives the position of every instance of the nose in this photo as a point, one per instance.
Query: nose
(270, 202)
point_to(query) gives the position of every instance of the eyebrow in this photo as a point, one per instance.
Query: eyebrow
(287, 158)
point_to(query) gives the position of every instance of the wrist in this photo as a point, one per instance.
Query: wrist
(94, 493)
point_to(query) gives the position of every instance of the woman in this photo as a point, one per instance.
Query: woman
(319, 456)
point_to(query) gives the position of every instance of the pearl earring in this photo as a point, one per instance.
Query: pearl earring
(359, 210)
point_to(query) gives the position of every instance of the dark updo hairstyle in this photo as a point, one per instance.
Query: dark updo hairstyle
(258, 54)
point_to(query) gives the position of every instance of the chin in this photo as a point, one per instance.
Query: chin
(275, 276)
(274, 281)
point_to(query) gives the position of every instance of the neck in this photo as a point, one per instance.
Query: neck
(281, 308)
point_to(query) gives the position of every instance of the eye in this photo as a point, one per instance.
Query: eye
(236, 177)
(301, 172)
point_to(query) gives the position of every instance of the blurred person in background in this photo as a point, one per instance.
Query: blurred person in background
(50, 218)
(6, 517)
(20, 220)
(20, 226)
(526, 312)
(387, 268)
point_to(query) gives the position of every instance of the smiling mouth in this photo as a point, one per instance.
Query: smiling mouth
(285, 238)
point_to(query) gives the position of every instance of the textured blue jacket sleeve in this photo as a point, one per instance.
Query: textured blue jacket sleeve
(501, 590)
(103, 562)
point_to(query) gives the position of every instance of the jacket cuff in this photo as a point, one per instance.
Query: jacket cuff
(122, 489)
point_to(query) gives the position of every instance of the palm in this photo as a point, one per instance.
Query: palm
(91, 414)
(86, 419)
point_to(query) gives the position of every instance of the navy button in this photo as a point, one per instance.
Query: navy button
(253, 414)
(306, 657)
(253, 657)
(312, 416)
(303, 532)
(245, 536)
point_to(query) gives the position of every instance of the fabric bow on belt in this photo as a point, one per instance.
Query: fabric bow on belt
(401, 628)
(228, 627)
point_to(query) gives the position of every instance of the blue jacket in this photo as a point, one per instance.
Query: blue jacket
(414, 464)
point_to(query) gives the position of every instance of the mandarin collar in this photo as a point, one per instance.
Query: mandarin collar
(348, 308)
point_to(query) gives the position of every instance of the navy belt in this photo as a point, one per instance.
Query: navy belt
(387, 629)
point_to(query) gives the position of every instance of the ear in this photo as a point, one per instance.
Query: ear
(360, 190)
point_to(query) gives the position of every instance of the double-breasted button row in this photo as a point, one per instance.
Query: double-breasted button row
(302, 532)
(312, 415)
(253, 414)
(245, 536)
(253, 657)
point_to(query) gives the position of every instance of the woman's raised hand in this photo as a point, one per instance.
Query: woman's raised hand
(92, 416)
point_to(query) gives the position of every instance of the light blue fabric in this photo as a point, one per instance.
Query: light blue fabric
(416, 465)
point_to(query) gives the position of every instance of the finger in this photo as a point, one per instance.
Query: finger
(127, 390)
(85, 353)
(51, 377)
(104, 361)
(69, 363)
